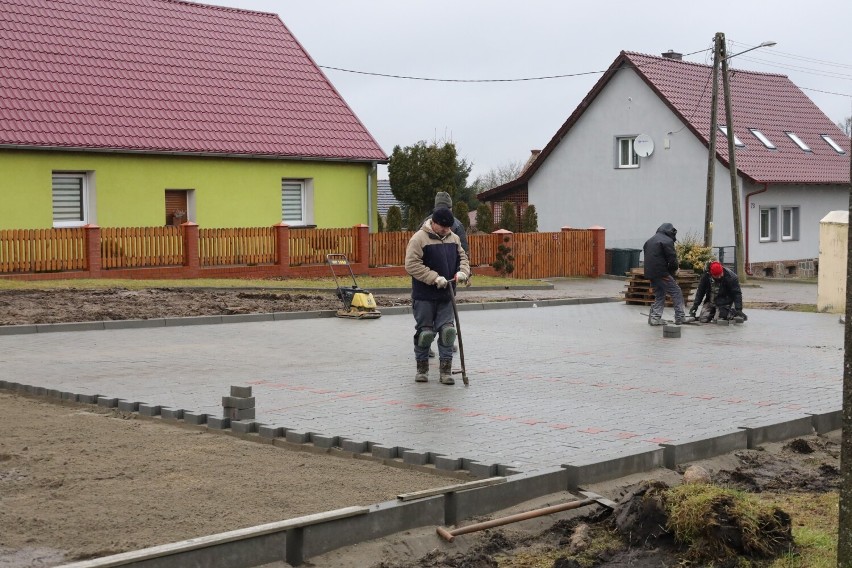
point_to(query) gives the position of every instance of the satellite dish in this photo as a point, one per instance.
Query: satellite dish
(643, 146)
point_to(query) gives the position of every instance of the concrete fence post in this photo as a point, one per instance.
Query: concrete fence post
(93, 250)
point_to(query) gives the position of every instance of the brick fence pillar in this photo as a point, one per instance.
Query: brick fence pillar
(362, 250)
(599, 250)
(282, 248)
(93, 250)
(191, 261)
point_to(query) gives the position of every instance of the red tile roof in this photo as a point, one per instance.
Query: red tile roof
(766, 102)
(167, 76)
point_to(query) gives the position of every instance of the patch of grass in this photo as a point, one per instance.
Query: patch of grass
(367, 282)
(815, 526)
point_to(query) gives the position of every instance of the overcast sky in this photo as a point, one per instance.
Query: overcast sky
(495, 123)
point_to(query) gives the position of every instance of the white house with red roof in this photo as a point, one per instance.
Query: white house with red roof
(792, 162)
(122, 112)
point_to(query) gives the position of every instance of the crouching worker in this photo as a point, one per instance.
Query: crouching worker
(435, 260)
(720, 290)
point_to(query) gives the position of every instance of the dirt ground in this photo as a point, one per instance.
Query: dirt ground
(79, 482)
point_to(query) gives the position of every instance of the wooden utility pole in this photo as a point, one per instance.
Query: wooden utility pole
(732, 164)
(844, 527)
(711, 162)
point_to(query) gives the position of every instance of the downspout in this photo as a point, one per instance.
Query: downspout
(747, 266)
(370, 197)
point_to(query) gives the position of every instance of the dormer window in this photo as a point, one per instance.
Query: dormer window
(798, 141)
(737, 141)
(833, 144)
(762, 137)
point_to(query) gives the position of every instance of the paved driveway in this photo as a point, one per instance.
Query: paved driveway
(548, 385)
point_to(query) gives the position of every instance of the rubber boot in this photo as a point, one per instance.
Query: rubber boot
(447, 372)
(422, 375)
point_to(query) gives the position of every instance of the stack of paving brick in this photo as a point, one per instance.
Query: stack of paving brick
(239, 407)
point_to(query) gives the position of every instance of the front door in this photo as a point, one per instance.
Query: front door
(176, 206)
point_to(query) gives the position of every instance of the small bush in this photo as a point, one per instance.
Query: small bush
(691, 252)
(504, 264)
(484, 219)
(394, 219)
(529, 223)
(508, 217)
(460, 210)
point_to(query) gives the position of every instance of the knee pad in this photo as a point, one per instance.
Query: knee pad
(424, 337)
(447, 336)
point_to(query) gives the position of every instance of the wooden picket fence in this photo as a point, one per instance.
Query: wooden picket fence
(136, 247)
(42, 250)
(248, 246)
(238, 250)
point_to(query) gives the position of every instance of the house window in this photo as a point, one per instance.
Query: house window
(293, 202)
(768, 223)
(762, 137)
(737, 141)
(799, 142)
(627, 158)
(70, 199)
(789, 223)
(833, 144)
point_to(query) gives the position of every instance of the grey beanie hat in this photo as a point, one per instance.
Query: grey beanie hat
(443, 199)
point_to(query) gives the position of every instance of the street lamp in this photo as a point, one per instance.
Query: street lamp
(720, 56)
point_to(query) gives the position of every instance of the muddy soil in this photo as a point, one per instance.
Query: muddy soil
(78, 482)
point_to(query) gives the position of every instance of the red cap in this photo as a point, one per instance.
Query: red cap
(716, 270)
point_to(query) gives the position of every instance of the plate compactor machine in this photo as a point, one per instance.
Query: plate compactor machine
(357, 303)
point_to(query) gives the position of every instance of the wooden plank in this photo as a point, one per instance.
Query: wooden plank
(450, 489)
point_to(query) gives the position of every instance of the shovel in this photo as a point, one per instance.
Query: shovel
(459, 334)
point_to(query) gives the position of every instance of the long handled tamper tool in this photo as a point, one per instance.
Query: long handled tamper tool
(458, 333)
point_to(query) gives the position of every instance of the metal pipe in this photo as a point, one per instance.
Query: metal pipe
(747, 265)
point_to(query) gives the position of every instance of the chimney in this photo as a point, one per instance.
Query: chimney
(671, 54)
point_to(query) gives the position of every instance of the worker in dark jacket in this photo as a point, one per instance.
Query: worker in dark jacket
(435, 260)
(660, 268)
(719, 289)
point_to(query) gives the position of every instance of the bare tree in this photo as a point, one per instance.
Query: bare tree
(498, 176)
(846, 125)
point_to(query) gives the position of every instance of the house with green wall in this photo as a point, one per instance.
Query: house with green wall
(130, 113)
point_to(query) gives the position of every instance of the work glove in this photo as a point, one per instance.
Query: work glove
(692, 311)
(461, 277)
(441, 282)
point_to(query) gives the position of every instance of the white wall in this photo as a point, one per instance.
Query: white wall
(579, 185)
(833, 244)
(814, 203)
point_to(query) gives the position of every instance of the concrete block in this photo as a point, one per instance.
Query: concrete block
(18, 329)
(506, 470)
(295, 437)
(88, 398)
(697, 449)
(171, 413)
(240, 391)
(413, 457)
(516, 489)
(270, 431)
(52, 393)
(323, 441)
(107, 402)
(671, 331)
(76, 326)
(149, 409)
(2, 384)
(827, 422)
(384, 452)
(447, 463)
(481, 469)
(592, 469)
(195, 320)
(763, 434)
(40, 391)
(128, 406)
(194, 417)
(238, 402)
(218, 423)
(134, 324)
(239, 413)
(354, 446)
(243, 426)
(71, 396)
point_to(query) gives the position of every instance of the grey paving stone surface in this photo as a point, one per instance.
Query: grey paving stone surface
(548, 386)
